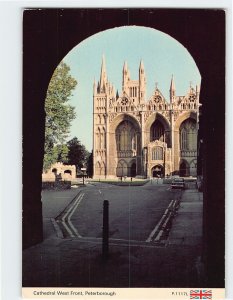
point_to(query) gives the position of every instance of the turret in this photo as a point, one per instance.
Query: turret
(172, 90)
(103, 77)
(142, 82)
(125, 76)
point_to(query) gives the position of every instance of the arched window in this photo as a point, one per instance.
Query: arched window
(188, 135)
(97, 168)
(102, 169)
(184, 139)
(126, 137)
(157, 153)
(98, 139)
(157, 131)
(122, 169)
(133, 139)
(104, 139)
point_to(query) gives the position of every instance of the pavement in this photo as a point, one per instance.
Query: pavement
(77, 262)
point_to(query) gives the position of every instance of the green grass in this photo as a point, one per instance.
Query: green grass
(123, 183)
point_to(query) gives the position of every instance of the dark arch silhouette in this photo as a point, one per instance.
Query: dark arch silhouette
(50, 34)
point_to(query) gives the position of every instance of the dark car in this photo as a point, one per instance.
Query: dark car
(178, 183)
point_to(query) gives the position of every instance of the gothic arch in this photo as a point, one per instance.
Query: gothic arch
(157, 170)
(184, 168)
(122, 168)
(102, 168)
(183, 117)
(149, 123)
(124, 117)
(98, 139)
(98, 168)
(193, 167)
(157, 116)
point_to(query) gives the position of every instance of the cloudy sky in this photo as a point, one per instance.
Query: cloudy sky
(162, 56)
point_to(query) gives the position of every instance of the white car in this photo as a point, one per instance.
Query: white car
(178, 183)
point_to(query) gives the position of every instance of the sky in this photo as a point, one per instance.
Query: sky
(161, 54)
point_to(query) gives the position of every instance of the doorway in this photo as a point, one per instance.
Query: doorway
(157, 171)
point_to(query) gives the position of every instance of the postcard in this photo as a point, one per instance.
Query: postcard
(124, 153)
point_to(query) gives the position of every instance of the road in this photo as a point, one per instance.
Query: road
(134, 212)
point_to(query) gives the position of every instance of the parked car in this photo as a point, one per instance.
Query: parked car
(178, 183)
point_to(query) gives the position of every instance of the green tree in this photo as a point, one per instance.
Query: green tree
(78, 154)
(59, 115)
(90, 165)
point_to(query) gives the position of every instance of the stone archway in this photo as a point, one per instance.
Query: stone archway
(124, 144)
(133, 169)
(122, 169)
(157, 119)
(157, 171)
(184, 169)
(177, 148)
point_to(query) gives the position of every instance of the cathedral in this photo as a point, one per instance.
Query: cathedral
(138, 137)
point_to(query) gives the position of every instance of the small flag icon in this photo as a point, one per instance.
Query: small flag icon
(200, 294)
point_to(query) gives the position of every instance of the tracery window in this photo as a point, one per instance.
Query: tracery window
(157, 153)
(188, 135)
(126, 138)
(157, 131)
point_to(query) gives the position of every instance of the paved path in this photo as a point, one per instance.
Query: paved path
(77, 262)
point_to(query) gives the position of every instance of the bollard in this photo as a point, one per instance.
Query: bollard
(105, 230)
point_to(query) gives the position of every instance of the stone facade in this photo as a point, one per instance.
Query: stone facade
(58, 171)
(133, 136)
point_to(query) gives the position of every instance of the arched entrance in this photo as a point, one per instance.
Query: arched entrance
(54, 170)
(157, 171)
(122, 169)
(133, 170)
(157, 131)
(184, 169)
(125, 141)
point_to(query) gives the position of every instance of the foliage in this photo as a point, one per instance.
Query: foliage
(90, 165)
(58, 153)
(59, 115)
(77, 153)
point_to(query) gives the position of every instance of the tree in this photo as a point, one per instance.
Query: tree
(78, 154)
(59, 114)
(90, 165)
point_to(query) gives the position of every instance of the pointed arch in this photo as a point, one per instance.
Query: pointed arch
(184, 169)
(97, 168)
(103, 169)
(98, 139)
(122, 168)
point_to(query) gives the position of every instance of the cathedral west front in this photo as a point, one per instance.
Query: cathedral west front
(138, 137)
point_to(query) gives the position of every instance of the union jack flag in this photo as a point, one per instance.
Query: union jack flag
(200, 294)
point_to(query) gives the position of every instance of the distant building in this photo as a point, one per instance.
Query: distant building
(138, 137)
(58, 171)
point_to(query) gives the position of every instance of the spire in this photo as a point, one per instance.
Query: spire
(125, 67)
(103, 75)
(172, 89)
(125, 77)
(141, 66)
(172, 86)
